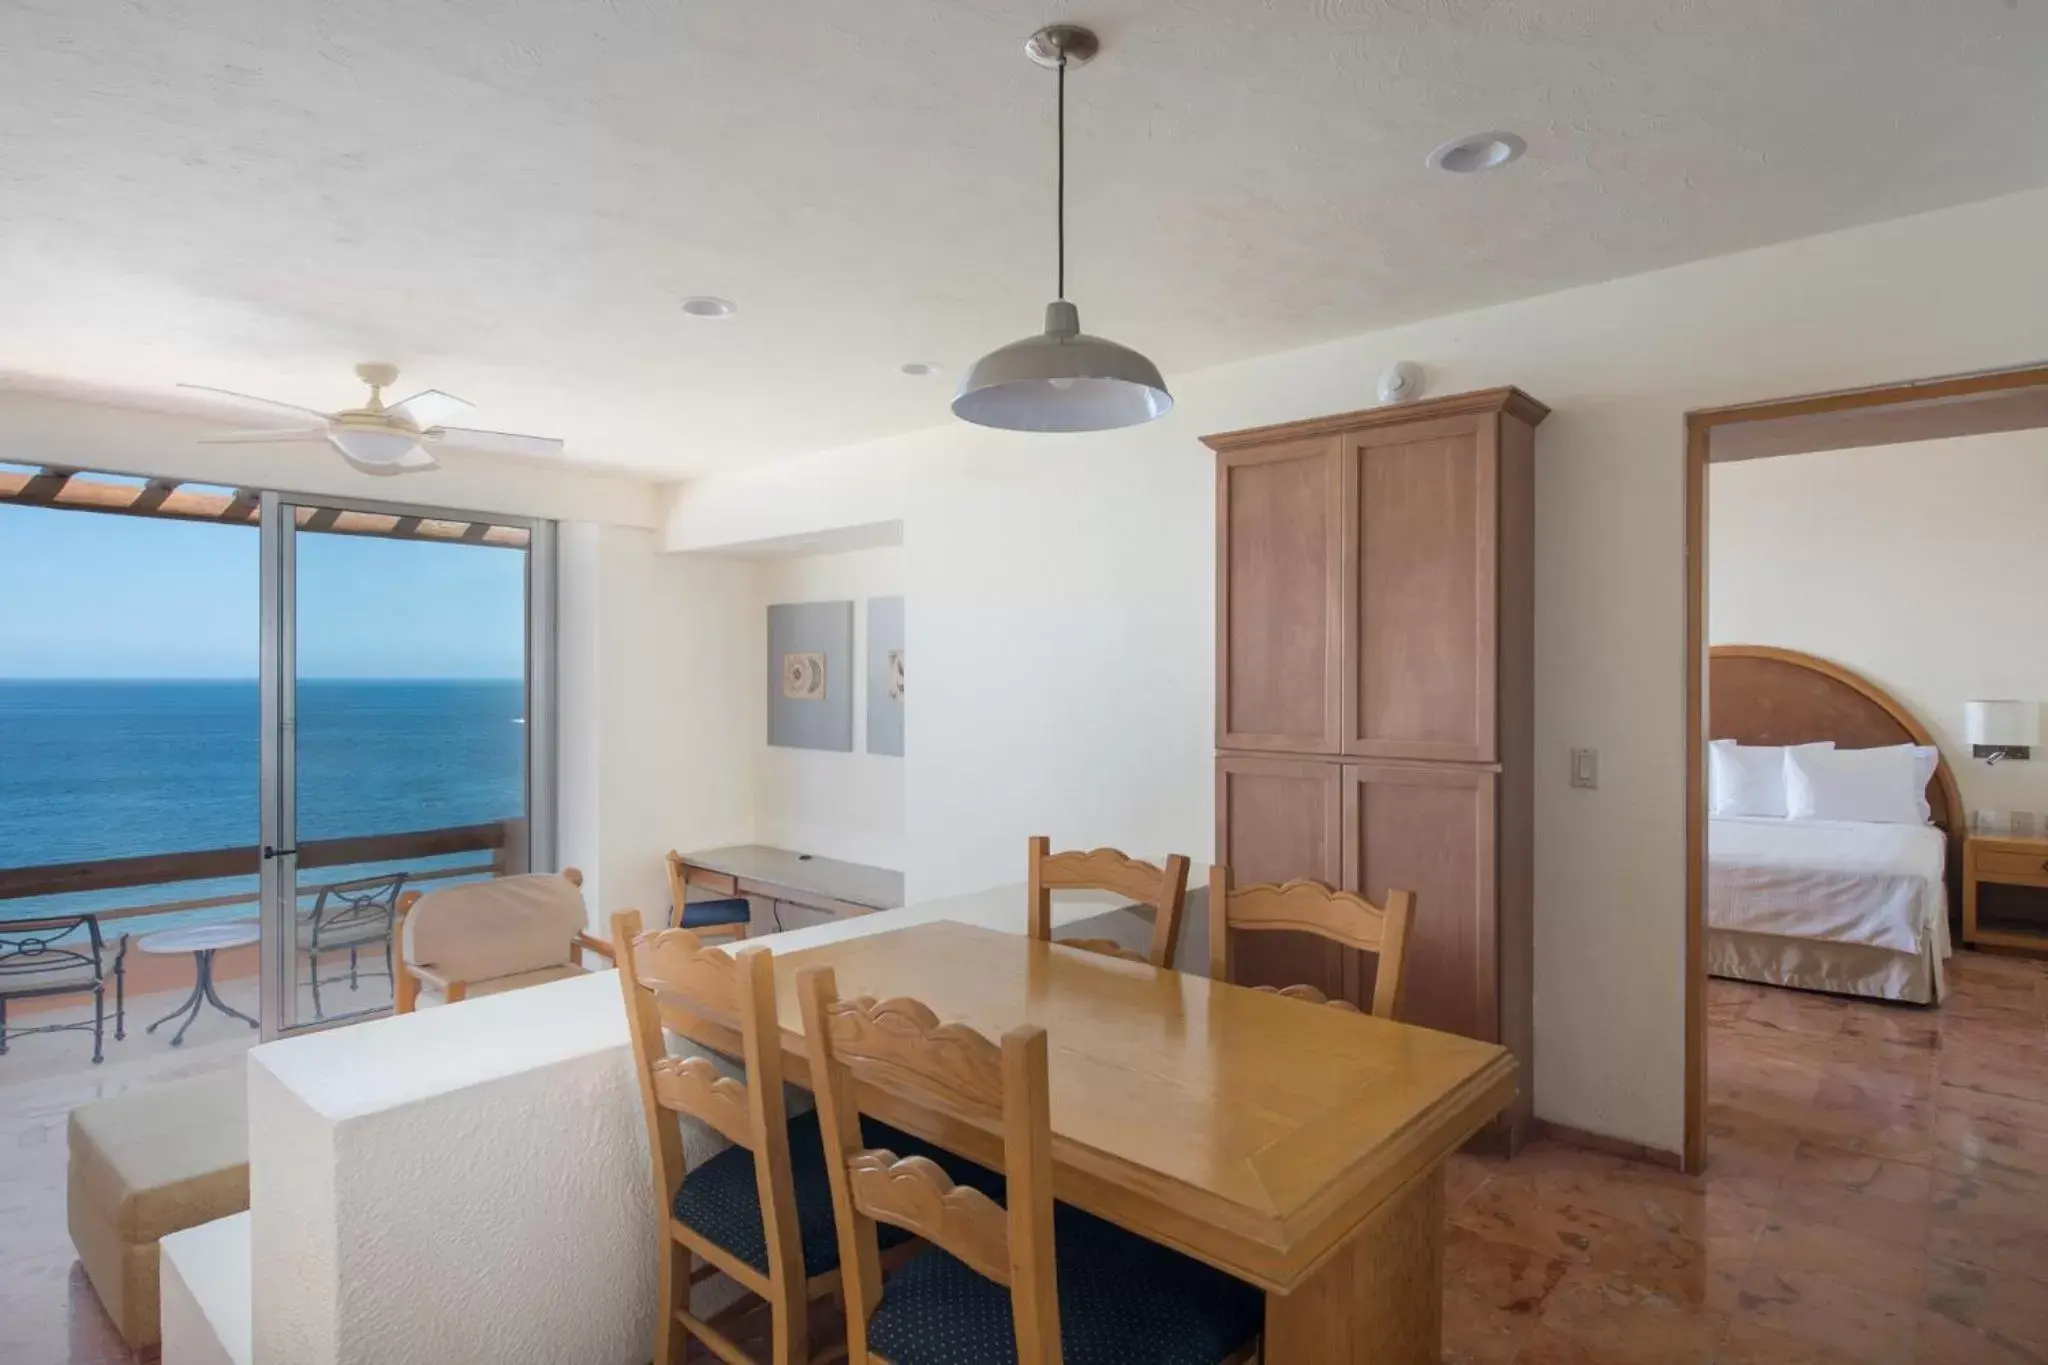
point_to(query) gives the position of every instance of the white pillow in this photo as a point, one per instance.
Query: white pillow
(1749, 779)
(1885, 786)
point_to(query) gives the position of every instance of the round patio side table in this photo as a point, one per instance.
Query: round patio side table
(202, 941)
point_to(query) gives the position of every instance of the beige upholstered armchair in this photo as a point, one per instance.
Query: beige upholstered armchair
(485, 938)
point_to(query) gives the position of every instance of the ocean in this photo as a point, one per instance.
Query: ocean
(115, 769)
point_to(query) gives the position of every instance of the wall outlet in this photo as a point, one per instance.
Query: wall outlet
(1586, 768)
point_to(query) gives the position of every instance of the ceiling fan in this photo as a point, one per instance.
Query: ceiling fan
(379, 438)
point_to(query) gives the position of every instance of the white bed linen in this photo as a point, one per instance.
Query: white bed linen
(1875, 885)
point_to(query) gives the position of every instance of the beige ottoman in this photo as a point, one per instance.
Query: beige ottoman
(147, 1163)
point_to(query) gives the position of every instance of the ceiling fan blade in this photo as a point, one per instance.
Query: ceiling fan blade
(496, 442)
(251, 400)
(379, 452)
(432, 408)
(234, 438)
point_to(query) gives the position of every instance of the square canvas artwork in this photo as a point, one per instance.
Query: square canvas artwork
(810, 675)
(885, 676)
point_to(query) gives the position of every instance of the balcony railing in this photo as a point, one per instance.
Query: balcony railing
(499, 839)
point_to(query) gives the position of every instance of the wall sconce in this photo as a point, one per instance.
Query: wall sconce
(2002, 729)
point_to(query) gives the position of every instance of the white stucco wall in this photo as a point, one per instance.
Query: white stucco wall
(1062, 588)
(661, 707)
(467, 1185)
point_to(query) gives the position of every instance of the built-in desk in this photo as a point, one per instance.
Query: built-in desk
(800, 890)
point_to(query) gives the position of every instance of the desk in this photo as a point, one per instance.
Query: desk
(825, 885)
(1297, 1147)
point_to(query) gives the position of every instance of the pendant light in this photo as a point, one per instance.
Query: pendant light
(1062, 379)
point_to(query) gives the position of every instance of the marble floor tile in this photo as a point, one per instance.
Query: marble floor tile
(1972, 1317)
(1983, 1222)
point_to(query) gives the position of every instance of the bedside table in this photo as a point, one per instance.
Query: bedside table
(2009, 860)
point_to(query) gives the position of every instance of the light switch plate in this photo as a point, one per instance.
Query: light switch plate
(1586, 768)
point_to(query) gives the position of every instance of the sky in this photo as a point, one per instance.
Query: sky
(88, 595)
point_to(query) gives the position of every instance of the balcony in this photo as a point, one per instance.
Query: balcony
(347, 887)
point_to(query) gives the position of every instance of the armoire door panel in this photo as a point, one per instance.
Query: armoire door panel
(1422, 596)
(1429, 829)
(1280, 572)
(1277, 820)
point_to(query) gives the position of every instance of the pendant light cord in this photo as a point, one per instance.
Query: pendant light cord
(1062, 197)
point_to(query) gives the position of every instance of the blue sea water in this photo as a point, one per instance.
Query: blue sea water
(113, 769)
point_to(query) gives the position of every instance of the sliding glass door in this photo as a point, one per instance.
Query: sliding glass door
(407, 734)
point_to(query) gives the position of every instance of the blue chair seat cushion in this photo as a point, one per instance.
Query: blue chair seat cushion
(713, 914)
(721, 1200)
(1123, 1301)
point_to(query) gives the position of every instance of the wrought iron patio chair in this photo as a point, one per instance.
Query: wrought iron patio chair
(350, 916)
(61, 955)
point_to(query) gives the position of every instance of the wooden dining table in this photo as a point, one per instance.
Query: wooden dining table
(1296, 1146)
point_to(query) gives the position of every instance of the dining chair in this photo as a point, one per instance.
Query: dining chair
(1024, 1279)
(716, 917)
(738, 1211)
(489, 937)
(759, 1211)
(1164, 889)
(1313, 908)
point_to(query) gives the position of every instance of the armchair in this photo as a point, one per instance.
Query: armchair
(485, 938)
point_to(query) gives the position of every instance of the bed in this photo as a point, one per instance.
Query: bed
(1832, 905)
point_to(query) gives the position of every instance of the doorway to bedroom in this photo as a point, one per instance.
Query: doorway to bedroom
(1867, 948)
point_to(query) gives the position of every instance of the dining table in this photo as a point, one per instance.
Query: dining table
(1297, 1146)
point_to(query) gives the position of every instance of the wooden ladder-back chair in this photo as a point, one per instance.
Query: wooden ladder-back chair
(672, 969)
(989, 1283)
(1164, 889)
(1308, 907)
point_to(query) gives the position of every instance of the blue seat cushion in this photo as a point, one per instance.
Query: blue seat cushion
(721, 1200)
(711, 914)
(1123, 1301)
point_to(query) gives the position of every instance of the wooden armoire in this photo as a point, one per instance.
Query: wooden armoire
(1375, 654)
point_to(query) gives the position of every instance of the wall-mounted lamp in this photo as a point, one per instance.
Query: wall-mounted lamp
(2001, 729)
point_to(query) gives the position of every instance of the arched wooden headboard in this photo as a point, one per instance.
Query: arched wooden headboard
(1760, 694)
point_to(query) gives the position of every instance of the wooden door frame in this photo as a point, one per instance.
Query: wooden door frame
(1699, 429)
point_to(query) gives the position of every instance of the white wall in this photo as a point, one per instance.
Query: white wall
(1923, 567)
(661, 709)
(1061, 589)
(839, 805)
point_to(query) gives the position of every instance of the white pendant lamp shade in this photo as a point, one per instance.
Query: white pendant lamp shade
(1062, 380)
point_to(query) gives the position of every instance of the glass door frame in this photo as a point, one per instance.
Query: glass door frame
(278, 719)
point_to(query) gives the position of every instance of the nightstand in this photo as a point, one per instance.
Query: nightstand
(2010, 860)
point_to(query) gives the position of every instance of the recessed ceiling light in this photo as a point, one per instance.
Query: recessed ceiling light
(706, 306)
(918, 369)
(1480, 152)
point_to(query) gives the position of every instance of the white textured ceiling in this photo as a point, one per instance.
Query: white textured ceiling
(511, 197)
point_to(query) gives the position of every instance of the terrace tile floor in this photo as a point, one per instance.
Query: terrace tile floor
(1877, 1193)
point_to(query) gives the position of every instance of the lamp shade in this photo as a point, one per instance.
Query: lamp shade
(1062, 380)
(2002, 724)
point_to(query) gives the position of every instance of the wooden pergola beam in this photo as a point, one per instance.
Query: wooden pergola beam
(68, 490)
(152, 496)
(41, 488)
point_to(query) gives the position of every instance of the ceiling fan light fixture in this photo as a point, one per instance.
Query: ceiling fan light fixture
(1062, 379)
(380, 452)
